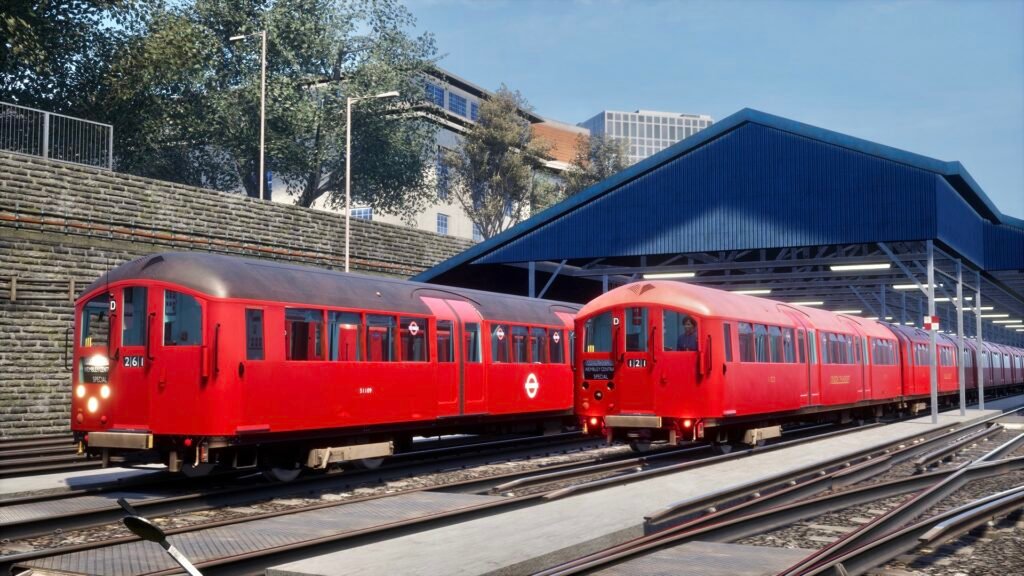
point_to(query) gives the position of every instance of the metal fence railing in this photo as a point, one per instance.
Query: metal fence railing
(56, 136)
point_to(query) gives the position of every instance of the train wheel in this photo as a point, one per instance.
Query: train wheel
(275, 474)
(640, 446)
(723, 447)
(368, 463)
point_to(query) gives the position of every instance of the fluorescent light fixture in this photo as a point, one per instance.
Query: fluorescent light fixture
(667, 275)
(911, 323)
(847, 311)
(995, 315)
(944, 299)
(912, 286)
(809, 303)
(984, 308)
(1020, 330)
(1006, 321)
(872, 318)
(851, 267)
(754, 291)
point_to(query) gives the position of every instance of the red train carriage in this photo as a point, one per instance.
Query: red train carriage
(672, 361)
(205, 360)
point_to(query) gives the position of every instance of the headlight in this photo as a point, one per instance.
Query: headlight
(80, 391)
(93, 404)
(98, 360)
(105, 392)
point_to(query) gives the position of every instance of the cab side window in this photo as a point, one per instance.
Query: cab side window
(133, 316)
(182, 320)
(253, 334)
(679, 331)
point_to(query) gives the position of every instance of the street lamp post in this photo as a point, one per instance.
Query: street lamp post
(348, 163)
(263, 97)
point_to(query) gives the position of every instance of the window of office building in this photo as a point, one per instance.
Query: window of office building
(474, 111)
(457, 104)
(435, 94)
(363, 213)
(442, 223)
(478, 236)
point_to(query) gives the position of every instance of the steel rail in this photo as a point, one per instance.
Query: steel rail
(224, 496)
(932, 458)
(762, 515)
(930, 531)
(895, 518)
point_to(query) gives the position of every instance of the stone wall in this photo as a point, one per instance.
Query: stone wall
(63, 225)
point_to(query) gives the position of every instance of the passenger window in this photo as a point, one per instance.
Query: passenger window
(538, 346)
(824, 348)
(344, 336)
(800, 346)
(303, 333)
(761, 343)
(597, 333)
(414, 340)
(636, 329)
(445, 341)
(133, 316)
(499, 343)
(789, 355)
(380, 338)
(520, 350)
(775, 343)
(746, 337)
(96, 321)
(557, 347)
(473, 354)
(182, 320)
(253, 334)
(814, 347)
(727, 336)
(679, 331)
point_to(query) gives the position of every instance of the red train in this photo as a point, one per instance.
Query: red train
(669, 361)
(203, 360)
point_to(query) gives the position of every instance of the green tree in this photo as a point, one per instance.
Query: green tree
(186, 99)
(56, 55)
(494, 171)
(597, 157)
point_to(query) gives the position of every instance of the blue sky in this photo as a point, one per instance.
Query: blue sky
(943, 79)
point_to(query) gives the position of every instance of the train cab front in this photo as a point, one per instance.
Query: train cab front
(131, 343)
(637, 372)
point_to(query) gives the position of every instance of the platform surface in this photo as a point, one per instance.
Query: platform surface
(528, 540)
(74, 480)
(709, 559)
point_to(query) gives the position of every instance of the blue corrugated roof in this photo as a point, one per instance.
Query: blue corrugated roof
(778, 155)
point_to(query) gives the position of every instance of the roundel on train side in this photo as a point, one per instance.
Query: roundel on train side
(499, 333)
(532, 385)
(556, 337)
(414, 328)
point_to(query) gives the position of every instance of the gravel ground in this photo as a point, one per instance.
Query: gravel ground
(997, 550)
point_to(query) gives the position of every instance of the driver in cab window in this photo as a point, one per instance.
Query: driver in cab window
(687, 340)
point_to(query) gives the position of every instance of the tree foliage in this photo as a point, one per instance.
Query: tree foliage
(495, 172)
(597, 157)
(184, 99)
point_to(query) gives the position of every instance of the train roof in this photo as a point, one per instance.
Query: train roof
(231, 277)
(705, 301)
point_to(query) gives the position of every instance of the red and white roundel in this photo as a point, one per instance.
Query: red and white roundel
(556, 337)
(532, 386)
(413, 328)
(499, 333)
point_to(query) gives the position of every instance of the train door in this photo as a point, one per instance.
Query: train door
(813, 369)
(449, 374)
(132, 362)
(177, 327)
(804, 342)
(632, 354)
(462, 385)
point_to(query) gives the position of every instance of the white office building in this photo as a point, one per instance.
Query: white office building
(647, 131)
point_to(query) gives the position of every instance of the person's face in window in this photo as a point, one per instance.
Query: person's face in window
(689, 326)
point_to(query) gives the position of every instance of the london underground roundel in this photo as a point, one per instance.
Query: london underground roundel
(532, 386)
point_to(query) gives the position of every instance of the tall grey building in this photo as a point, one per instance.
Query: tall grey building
(647, 131)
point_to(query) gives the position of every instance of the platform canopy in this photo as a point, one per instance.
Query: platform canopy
(760, 202)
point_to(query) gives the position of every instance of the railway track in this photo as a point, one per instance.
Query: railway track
(41, 455)
(461, 498)
(868, 509)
